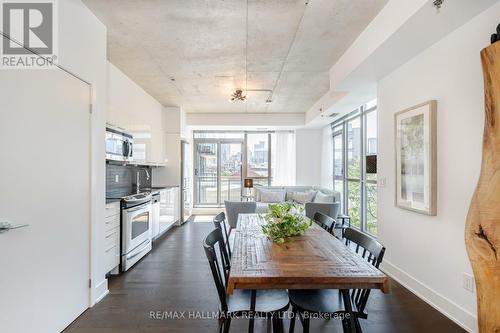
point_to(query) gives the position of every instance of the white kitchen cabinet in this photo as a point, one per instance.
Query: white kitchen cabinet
(155, 219)
(111, 255)
(175, 197)
(131, 108)
(169, 208)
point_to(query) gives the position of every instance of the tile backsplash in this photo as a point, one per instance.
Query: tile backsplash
(121, 180)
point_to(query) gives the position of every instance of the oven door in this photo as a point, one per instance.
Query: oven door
(137, 223)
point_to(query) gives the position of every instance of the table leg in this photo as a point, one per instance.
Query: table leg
(348, 309)
(252, 311)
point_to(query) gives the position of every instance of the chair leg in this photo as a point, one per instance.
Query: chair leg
(358, 325)
(305, 324)
(221, 325)
(292, 321)
(345, 326)
(227, 324)
(275, 324)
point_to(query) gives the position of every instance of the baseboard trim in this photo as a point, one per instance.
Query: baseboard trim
(100, 291)
(450, 309)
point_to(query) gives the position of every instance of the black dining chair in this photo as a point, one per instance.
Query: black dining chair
(270, 304)
(328, 302)
(325, 221)
(220, 223)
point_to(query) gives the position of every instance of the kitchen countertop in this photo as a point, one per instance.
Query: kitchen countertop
(152, 189)
(160, 187)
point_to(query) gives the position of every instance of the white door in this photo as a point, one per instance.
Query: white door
(44, 182)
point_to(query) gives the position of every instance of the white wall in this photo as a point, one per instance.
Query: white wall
(82, 50)
(232, 120)
(308, 155)
(425, 253)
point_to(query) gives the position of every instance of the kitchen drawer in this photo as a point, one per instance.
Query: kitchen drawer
(111, 257)
(112, 209)
(111, 222)
(112, 237)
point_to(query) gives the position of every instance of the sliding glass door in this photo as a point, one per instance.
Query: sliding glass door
(230, 171)
(355, 138)
(206, 173)
(222, 159)
(218, 171)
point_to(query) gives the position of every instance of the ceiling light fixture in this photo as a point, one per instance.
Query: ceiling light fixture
(438, 4)
(238, 96)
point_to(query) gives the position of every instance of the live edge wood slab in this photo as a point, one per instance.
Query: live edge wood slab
(482, 231)
(314, 260)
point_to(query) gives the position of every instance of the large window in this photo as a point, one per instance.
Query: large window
(224, 159)
(355, 138)
(258, 157)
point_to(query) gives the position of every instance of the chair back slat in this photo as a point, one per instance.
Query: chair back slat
(220, 223)
(375, 252)
(219, 263)
(325, 221)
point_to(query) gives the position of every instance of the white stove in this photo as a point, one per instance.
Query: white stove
(136, 228)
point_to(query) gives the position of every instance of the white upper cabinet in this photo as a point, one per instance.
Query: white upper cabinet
(132, 109)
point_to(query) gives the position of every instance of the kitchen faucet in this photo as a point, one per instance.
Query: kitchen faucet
(137, 178)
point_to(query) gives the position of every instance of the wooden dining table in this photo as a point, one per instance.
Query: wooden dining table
(313, 260)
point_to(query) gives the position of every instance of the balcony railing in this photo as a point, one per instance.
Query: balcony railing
(230, 189)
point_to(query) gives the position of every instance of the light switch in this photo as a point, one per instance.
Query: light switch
(382, 182)
(117, 178)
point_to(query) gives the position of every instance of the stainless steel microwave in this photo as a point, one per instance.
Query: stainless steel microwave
(119, 145)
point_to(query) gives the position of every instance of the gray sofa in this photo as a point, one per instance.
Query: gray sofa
(320, 203)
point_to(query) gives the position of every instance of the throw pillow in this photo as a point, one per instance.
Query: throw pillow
(272, 196)
(303, 197)
(323, 198)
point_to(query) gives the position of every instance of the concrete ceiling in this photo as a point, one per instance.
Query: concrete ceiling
(195, 53)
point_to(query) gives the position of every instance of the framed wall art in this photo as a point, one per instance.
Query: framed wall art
(416, 163)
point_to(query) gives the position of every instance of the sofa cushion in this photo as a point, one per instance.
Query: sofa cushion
(324, 198)
(272, 196)
(302, 197)
(262, 207)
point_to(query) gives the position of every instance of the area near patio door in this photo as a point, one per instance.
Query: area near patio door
(222, 160)
(218, 170)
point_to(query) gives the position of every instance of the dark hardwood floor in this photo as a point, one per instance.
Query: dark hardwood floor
(175, 277)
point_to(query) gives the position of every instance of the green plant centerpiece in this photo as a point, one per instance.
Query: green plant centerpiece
(285, 220)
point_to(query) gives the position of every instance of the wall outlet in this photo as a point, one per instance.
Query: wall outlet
(117, 178)
(468, 282)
